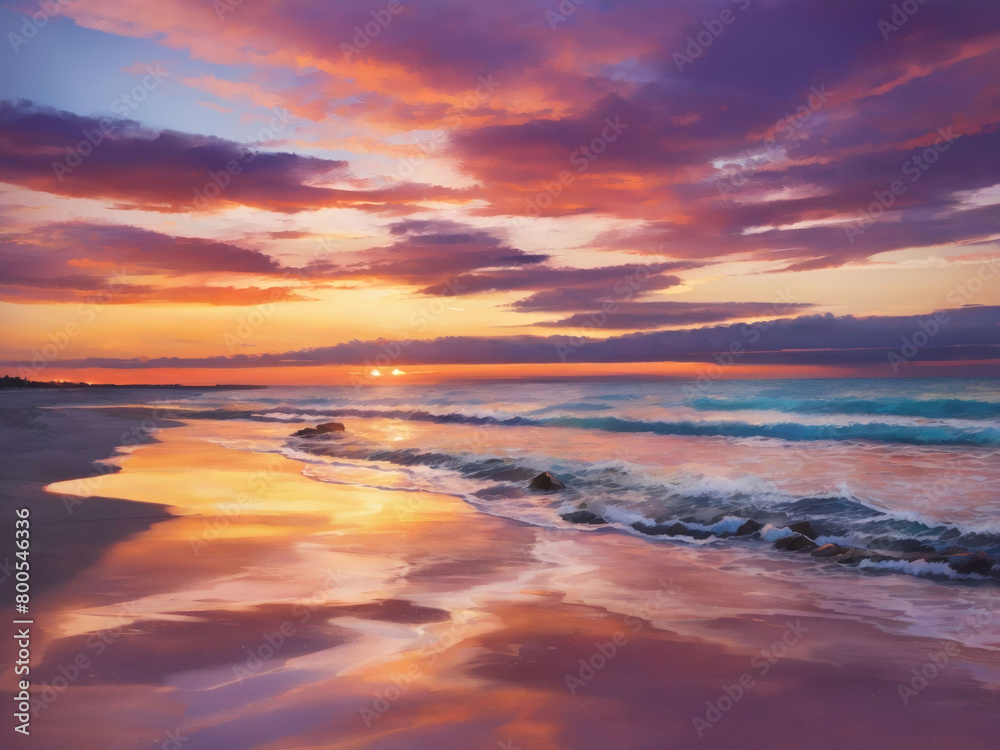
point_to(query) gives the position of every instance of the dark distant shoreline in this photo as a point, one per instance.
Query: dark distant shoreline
(14, 383)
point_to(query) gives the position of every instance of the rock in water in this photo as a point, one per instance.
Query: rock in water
(854, 556)
(829, 550)
(966, 563)
(953, 551)
(582, 516)
(320, 429)
(671, 529)
(795, 543)
(749, 526)
(902, 545)
(546, 483)
(803, 543)
(803, 527)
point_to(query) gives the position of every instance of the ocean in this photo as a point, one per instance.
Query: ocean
(893, 465)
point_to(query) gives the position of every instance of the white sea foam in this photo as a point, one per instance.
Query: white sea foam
(916, 568)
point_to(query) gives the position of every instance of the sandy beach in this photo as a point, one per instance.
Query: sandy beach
(272, 611)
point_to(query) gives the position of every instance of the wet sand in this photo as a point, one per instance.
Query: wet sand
(42, 442)
(275, 612)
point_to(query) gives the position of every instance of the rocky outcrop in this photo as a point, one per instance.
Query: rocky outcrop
(803, 539)
(671, 529)
(964, 563)
(804, 528)
(583, 516)
(796, 543)
(749, 526)
(829, 550)
(545, 482)
(855, 556)
(901, 545)
(968, 563)
(320, 429)
(954, 551)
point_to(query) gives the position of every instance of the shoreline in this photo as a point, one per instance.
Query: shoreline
(42, 442)
(413, 619)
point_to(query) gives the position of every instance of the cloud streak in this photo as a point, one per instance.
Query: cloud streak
(74, 261)
(968, 334)
(171, 172)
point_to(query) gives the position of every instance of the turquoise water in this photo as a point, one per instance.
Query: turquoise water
(886, 464)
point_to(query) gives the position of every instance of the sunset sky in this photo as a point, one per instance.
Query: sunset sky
(264, 191)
